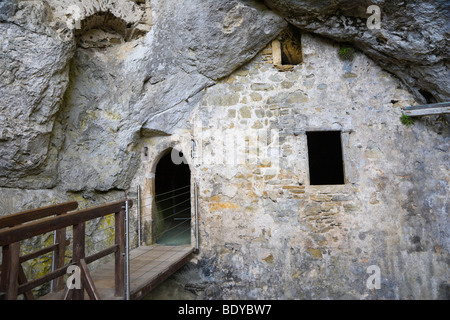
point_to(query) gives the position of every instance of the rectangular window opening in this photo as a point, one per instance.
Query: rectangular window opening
(325, 157)
(291, 46)
(287, 48)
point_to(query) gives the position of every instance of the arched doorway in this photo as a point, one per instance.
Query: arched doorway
(172, 210)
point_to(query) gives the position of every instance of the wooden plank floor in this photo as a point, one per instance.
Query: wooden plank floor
(149, 266)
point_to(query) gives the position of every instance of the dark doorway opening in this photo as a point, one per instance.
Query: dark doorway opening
(325, 157)
(172, 224)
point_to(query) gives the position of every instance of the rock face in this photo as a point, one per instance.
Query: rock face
(152, 63)
(94, 91)
(412, 43)
(34, 76)
(120, 91)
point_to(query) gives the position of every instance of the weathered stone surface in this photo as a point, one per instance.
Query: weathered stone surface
(204, 32)
(412, 42)
(77, 112)
(120, 90)
(266, 232)
(162, 76)
(34, 76)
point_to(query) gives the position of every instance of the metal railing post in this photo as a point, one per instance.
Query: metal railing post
(139, 215)
(196, 215)
(53, 261)
(127, 252)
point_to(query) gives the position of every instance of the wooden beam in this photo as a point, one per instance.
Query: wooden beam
(38, 253)
(4, 269)
(427, 109)
(32, 229)
(30, 215)
(88, 283)
(101, 254)
(119, 257)
(23, 279)
(59, 255)
(39, 281)
(10, 271)
(67, 294)
(78, 253)
(276, 53)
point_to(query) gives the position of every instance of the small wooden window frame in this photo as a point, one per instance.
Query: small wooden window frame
(277, 59)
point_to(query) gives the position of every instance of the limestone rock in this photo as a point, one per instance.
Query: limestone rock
(412, 42)
(34, 75)
(122, 86)
(144, 71)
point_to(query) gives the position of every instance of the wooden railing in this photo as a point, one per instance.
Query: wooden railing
(24, 225)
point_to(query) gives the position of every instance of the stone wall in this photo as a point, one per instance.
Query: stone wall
(85, 82)
(266, 232)
(77, 112)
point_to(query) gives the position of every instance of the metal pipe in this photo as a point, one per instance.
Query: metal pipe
(127, 252)
(139, 215)
(53, 260)
(196, 215)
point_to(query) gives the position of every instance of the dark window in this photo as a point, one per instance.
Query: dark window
(291, 46)
(325, 157)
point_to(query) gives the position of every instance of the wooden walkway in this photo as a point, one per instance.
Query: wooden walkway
(149, 267)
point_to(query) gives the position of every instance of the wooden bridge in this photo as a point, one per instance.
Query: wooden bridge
(125, 277)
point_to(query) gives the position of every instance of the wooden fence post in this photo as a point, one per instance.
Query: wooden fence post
(10, 270)
(78, 253)
(59, 257)
(119, 266)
